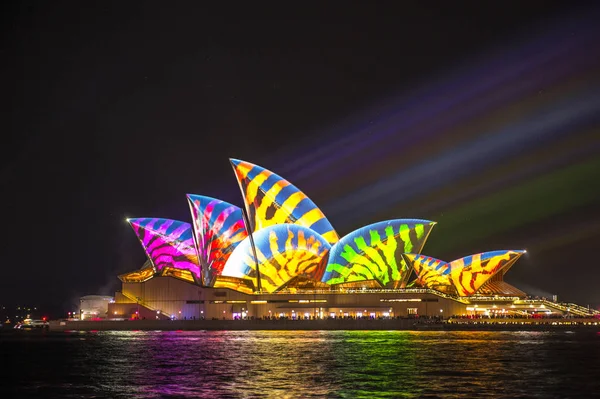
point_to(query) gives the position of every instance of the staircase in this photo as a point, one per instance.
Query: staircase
(581, 309)
(144, 304)
(571, 308)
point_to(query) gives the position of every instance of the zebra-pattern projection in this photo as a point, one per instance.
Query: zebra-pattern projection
(168, 243)
(374, 252)
(431, 272)
(283, 251)
(271, 200)
(218, 228)
(468, 274)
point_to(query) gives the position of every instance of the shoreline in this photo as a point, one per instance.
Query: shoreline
(324, 324)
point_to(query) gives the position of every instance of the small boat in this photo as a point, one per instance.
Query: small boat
(30, 324)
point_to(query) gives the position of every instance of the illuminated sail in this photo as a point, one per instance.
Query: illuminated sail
(283, 251)
(431, 272)
(374, 252)
(271, 200)
(218, 228)
(168, 243)
(468, 274)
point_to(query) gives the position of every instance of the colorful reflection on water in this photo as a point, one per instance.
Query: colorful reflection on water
(302, 364)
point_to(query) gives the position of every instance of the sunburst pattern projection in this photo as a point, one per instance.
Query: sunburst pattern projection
(283, 251)
(219, 228)
(431, 272)
(168, 243)
(468, 274)
(374, 252)
(271, 200)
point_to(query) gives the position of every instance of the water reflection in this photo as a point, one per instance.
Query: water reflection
(304, 364)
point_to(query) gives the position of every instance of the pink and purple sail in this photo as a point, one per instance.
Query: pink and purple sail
(168, 243)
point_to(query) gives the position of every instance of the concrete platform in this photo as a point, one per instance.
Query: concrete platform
(326, 324)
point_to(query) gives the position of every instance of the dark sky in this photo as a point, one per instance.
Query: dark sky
(118, 109)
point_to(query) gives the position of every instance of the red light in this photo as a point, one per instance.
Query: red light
(44, 318)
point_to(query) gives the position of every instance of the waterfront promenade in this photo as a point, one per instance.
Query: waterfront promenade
(326, 324)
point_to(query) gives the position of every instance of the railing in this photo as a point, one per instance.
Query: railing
(582, 309)
(493, 298)
(374, 291)
(542, 303)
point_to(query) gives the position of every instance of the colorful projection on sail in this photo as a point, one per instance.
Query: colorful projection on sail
(271, 200)
(431, 272)
(294, 244)
(168, 243)
(219, 228)
(374, 252)
(467, 275)
(283, 251)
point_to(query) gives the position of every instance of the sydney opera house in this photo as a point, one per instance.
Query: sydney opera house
(281, 257)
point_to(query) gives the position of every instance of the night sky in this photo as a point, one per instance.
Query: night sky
(482, 116)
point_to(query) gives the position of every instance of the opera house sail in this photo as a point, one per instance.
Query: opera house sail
(374, 253)
(218, 229)
(280, 248)
(271, 200)
(465, 275)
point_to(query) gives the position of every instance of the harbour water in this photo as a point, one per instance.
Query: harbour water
(301, 364)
